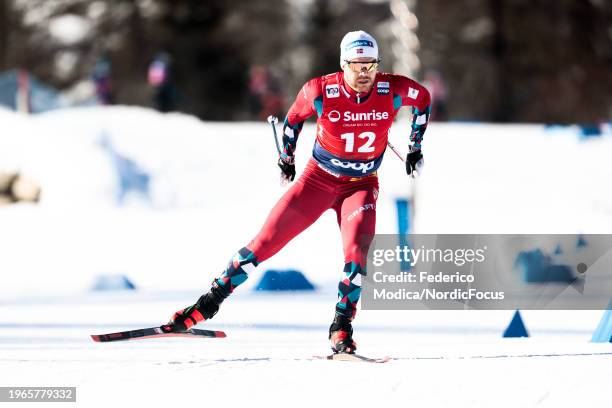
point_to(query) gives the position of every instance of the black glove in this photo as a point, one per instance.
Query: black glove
(414, 161)
(287, 166)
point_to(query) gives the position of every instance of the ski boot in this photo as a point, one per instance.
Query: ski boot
(204, 309)
(341, 335)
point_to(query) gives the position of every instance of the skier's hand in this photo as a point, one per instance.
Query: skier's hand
(414, 162)
(287, 166)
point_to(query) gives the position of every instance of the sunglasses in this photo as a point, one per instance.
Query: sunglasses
(368, 66)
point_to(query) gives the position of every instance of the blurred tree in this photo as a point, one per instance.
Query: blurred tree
(503, 60)
(457, 39)
(60, 41)
(521, 60)
(322, 28)
(330, 20)
(4, 32)
(214, 43)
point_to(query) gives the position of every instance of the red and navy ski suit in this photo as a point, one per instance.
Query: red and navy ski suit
(352, 132)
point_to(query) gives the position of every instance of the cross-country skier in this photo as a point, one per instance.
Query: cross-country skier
(355, 109)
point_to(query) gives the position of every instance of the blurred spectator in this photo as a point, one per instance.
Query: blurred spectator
(101, 77)
(258, 78)
(434, 82)
(265, 96)
(160, 78)
(23, 92)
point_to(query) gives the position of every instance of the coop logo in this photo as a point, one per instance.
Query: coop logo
(357, 166)
(333, 116)
(383, 88)
(332, 91)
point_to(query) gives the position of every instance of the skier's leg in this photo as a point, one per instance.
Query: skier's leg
(357, 221)
(299, 207)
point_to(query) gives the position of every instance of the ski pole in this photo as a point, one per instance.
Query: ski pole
(395, 151)
(272, 120)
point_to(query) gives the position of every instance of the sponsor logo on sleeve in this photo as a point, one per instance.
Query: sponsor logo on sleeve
(413, 93)
(332, 91)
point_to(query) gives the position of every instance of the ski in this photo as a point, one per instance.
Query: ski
(354, 358)
(154, 332)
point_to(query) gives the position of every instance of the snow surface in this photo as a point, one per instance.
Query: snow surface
(212, 184)
(439, 359)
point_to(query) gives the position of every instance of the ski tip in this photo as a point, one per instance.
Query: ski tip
(220, 334)
(95, 338)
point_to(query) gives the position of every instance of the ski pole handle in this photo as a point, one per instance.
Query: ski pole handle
(273, 120)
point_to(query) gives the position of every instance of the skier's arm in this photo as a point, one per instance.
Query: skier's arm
(416, 96)
(420, 119)
(413, 94)
(302, 108)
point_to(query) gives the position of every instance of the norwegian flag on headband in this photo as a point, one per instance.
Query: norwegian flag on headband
(359, 50)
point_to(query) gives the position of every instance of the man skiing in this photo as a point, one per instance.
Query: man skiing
(355, 109)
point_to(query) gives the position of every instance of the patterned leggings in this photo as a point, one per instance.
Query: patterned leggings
(353, 200)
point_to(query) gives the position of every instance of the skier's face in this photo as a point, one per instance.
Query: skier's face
(359, 73)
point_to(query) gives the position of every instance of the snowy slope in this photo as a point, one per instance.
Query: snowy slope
(438, 358)
(212, 185)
